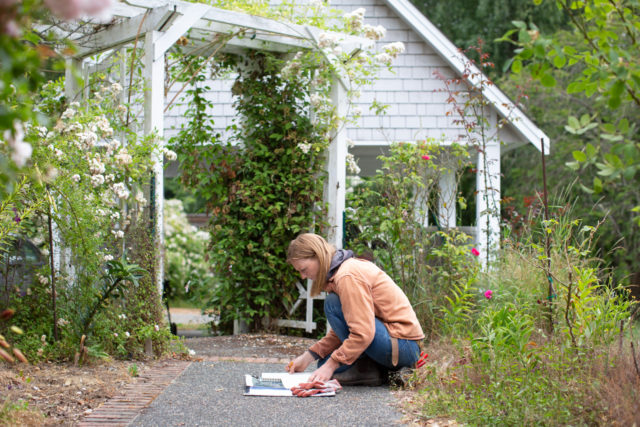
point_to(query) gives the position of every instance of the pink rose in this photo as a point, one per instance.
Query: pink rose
(488, 294)
(475, 252)
(72, 9)
(425, 157)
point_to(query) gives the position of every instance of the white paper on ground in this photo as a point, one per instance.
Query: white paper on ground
(276, 384)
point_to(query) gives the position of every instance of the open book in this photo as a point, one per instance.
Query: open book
(276, 384)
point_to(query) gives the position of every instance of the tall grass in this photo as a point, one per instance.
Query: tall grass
(526, 359)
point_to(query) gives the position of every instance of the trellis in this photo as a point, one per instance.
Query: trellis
(159, 24)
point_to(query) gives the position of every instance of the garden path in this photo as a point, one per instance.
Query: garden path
(207, 391)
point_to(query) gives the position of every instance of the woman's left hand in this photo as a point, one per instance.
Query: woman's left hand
(324, 372)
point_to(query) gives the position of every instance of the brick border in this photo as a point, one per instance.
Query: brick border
(122, 409)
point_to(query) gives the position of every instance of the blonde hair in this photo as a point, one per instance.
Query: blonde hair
(310, 245)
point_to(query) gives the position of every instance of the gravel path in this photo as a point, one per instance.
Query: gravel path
(210, 394)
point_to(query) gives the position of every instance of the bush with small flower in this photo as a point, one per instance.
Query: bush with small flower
(187, 272)
(91, 174)
(388, 217)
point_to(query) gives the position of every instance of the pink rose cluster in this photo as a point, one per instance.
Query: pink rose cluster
(72, 9)
(64, 9)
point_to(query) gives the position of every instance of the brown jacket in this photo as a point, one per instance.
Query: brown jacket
(366, 292)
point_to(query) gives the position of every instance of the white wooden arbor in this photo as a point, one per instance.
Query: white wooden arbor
(159, 24)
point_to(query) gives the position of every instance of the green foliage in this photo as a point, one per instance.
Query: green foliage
(387, 220)
(596, 143)
(188, 274)
(509, 371)
(119, 273)
(93, 195)
(608, 75)
(488, 20)
(262, 191)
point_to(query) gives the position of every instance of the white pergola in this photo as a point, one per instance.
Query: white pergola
(159, 24)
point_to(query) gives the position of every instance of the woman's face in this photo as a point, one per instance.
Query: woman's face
(307, 267)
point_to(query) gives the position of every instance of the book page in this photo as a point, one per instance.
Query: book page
(288, 380)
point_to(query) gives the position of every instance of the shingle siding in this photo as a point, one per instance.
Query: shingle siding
(415, 95)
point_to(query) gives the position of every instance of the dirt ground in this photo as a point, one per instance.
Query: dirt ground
(61, 394)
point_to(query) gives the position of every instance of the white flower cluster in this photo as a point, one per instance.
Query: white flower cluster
(327, 40)
(394, 49)
(20, 150)
(169, 154)
(140, 198)
(120, 190)
(103, 125)
(374, 33)
(391, 51)
(292, 69)
(123, 158)
(354, 20)
(86, 140)
(96, 166)
(304, 147)
(352, 166)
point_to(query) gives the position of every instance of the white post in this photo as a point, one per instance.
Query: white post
(447, 200)
(488, 202)
(73, 92)
(335, 189)
(154, 123)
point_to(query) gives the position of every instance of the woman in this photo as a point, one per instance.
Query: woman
(373, 326)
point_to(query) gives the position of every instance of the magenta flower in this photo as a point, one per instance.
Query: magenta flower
(425, 157)
(475, 252)
(488, 294)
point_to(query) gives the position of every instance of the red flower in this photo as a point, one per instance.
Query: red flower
(425, 157)
(475, 252)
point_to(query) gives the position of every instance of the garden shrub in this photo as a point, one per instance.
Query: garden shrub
(188, 271)
(88, 196)
(262, 191)
(514, 367)
(388, 218)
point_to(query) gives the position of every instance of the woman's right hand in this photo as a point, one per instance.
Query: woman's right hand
(300, 363)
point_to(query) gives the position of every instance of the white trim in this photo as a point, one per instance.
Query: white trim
(178, 28)
(154, 122)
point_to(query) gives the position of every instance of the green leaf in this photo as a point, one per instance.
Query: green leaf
(548, 80)
(597, 185)
(516, 67)
(573, 122)
(585, 189)
(575, 87)
(559, 61)
(579, 156)
(574, 166)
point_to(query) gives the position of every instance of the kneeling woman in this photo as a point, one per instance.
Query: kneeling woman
(373, 326)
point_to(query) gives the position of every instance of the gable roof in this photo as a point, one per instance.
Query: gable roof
(522, 125)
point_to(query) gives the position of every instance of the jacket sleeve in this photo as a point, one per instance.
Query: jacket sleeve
(326, 345)
(358, 310)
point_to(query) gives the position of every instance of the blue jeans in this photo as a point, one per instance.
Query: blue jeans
(380, 348)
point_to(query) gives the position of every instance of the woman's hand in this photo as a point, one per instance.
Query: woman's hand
(300, 363)
(324, 372)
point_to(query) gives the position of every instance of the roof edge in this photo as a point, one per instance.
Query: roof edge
(457, 60)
